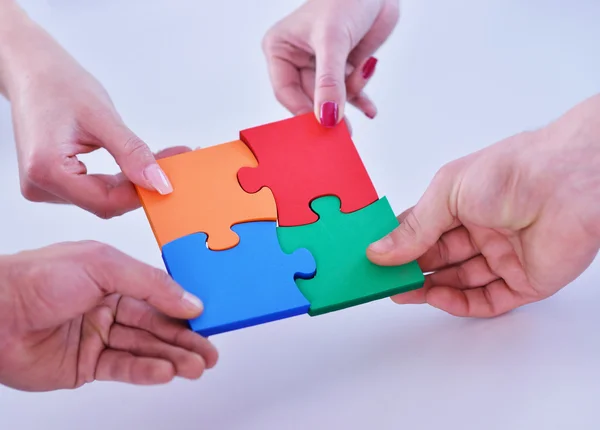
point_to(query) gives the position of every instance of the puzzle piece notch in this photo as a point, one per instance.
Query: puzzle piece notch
(345, 277)
(207, 197)
(252, 283)
(300, 160)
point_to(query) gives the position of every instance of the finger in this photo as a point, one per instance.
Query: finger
(452, 248)
(133, 156)
(355, 84)
(33, 193)
(331, 47)
(287, 86)
(140, 343)
(120, 366)
(358, 79)
(414, 297)
(94, 338)
(134, 313)
(472, 273)
(116, 272)
(363, 103)
(494, 299)
(423, 225)
(106, 196)
(404, 214)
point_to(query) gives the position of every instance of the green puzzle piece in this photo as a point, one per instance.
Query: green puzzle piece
(338, 242)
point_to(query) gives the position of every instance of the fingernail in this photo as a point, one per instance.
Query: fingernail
(192, 300)
(382, 246)
(329, 114)
(369, 68)
(157, 179)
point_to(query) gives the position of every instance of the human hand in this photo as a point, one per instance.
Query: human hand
(508, 225)
(73, 313)
(319, 56)
(60, 111)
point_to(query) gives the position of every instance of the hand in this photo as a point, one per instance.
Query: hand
(77, 312)
(508, 225)
(319, 57)
(60, 111)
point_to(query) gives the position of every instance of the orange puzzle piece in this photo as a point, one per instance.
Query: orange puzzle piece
(207, 197)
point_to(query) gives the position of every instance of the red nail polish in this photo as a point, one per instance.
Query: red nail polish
(329, 114)
(369, 68)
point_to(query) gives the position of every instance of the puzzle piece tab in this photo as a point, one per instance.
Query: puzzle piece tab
(206, 196)
(300, 160)
(250, 284)
(338, 242)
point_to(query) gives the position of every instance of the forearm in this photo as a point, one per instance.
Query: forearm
(26, 49)
(13, 20)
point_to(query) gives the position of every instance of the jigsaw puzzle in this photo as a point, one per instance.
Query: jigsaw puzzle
(300, 160)
(338, 241)
(274, 225)
(249, 284)
(207, 197)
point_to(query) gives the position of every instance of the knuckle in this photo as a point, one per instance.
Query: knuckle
(29, 190)
(280, 94)
(159, 277)
(411, 226)
(268, 41)
(444, 173)
(443, 251)
(135, 146)
(97, 250)
(462, 275)
(329, 80)
(104, 213)
(37, 170)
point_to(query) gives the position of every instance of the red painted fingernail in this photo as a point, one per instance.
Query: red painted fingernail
(329, 114)
(369, 68)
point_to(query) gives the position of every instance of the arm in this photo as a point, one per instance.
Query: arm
(60, 111)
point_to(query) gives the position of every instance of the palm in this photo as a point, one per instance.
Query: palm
(67, 331)
(508, 243)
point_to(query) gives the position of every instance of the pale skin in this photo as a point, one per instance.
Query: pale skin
(110, 317)
(500, 228)
(73, 313)
(320, 56)
(509, 225)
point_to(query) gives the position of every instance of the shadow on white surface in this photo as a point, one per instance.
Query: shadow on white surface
(455, 77)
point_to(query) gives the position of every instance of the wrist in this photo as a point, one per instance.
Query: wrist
(576, 135)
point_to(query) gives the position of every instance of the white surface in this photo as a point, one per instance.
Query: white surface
(456, 76)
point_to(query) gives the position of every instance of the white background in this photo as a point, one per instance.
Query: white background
(455, 76)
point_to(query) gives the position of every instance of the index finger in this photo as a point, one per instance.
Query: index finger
(287, 86)
(116, 272)
(106, 196)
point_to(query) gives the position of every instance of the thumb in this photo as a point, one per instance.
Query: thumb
(331, 52)
(420, 228)
(116, 272)
(134, 158)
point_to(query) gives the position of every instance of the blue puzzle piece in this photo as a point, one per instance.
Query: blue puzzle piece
(250, 284)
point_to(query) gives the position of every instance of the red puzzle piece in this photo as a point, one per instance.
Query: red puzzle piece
(301, 160)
